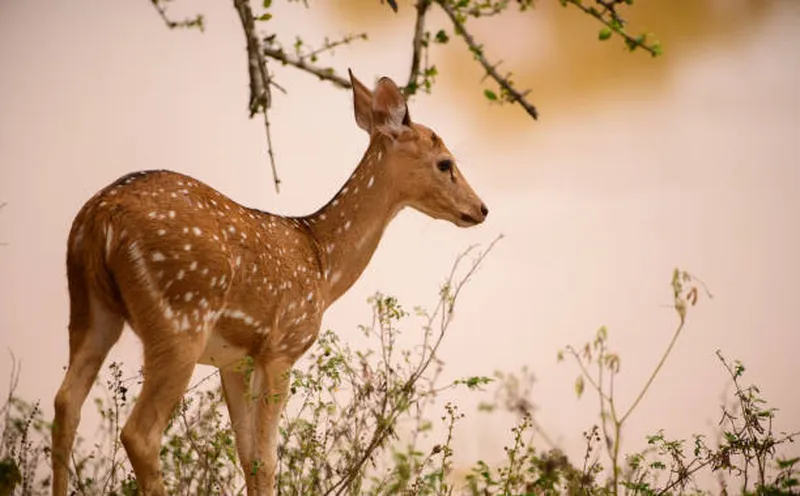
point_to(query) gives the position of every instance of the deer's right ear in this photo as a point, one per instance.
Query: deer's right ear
(362, 104)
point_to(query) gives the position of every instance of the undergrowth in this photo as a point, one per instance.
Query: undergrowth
(372, 421)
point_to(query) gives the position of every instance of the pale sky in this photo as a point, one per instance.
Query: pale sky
(636, 166)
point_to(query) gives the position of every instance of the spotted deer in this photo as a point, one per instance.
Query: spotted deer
(202, 279)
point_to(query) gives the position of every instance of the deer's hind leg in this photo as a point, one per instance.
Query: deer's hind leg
(168, 365)
(93, 330)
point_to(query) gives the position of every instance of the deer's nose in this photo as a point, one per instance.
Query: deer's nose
(484, 210)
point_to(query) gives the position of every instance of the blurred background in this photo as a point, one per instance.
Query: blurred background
(636, 166)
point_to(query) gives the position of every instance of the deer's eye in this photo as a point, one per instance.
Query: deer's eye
(445, 165)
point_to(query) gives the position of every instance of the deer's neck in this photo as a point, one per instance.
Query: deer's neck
(348, 229)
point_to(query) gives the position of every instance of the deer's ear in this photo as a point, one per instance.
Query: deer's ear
(389, 109)
(362, 104)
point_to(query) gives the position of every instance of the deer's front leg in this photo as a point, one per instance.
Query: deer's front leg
(272, 380)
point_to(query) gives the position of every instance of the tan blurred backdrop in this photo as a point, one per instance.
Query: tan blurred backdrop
(636, 165)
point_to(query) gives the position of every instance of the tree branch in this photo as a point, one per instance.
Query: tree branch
(512, 94)
(416, 53)
(260, 97)
(615, 23)
(324, 74)
(189, 22)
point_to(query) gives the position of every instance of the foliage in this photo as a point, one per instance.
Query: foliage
(262, 44)
(368, 421)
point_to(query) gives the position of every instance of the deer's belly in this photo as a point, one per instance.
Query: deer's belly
(221, 353)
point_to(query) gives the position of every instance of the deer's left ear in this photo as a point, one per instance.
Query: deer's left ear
(362, 104)
(389, 109)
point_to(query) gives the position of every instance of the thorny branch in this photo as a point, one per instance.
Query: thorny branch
(491, 70)
(614, 22)
(260, 96)
(189, 22)
(324, 74)
(416, 46)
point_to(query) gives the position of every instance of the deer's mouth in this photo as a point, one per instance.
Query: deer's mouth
(469, 220)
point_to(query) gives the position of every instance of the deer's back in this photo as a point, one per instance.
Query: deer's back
(167, 249)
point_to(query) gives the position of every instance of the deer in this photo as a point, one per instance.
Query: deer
(201, 279)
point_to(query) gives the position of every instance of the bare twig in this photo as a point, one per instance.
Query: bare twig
(324, 74)
(189, 22)
(260, 97)
(513, 95)
(330, 45)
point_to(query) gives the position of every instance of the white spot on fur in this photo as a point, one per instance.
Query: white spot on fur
(239, 315)
(371, 181)
(157, 256)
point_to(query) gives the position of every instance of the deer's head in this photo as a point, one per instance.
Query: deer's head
(422, 169)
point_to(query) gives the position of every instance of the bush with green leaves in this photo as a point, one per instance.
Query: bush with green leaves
(371, 421)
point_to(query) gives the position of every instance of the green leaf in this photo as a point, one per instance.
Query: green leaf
(267, 3)
(265, 16)
(490, 95)
(604, 34)
(657, 49)
(441, 36)
(579, 386)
